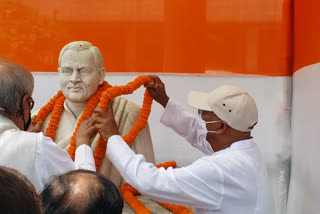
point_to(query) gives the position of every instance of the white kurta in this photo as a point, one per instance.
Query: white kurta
(230, 181)
(37, 156)
(126, 113)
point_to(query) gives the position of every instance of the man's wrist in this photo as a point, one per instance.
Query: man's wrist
(165, 101)
(83, 141)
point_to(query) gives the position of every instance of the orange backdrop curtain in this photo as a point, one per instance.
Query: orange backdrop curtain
(306, 33)
(180, 36)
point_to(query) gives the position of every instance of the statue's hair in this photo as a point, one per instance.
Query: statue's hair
(15, 82)
(81, 46)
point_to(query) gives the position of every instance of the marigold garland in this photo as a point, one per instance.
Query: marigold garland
(55, 117)
(134, 202)
(176, 208)
(88, 111)
(140, 123)
(128, 194)
(47, 109)
(104, 94)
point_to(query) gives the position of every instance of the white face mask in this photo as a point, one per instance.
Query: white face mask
(203, 131)
(202, 125)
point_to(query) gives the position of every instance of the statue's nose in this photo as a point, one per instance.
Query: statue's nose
(75, 77)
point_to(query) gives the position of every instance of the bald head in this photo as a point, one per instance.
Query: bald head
(82, 192)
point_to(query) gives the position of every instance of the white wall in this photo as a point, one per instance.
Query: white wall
(304, 194)
(273, 98)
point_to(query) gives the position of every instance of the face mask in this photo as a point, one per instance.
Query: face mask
(202, 130)
(202, 126)
(27, 124)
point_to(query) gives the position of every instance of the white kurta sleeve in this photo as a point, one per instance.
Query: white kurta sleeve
(198, 185)
(185, 124)
(51, 160)
(84, 158)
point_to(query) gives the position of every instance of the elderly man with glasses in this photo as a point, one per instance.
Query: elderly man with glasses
(34, 155)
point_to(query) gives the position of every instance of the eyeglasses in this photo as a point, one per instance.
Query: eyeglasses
(31, 102)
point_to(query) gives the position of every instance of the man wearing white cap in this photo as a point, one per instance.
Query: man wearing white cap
(230, 179)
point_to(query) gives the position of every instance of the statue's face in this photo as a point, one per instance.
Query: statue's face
(79, 77)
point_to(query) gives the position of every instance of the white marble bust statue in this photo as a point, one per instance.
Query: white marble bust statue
(81, 71)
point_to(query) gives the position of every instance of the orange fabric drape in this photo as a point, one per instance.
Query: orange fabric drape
(181, 36)
(306, 33)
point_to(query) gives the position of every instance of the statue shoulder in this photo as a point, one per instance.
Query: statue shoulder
(35, 113)
(123, 105)
(46, 121)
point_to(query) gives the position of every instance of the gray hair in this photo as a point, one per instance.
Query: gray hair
(81, 46)
(15, 82)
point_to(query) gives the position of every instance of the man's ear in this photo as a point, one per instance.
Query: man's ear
(25, 106)
(223, 128)
(102, 73)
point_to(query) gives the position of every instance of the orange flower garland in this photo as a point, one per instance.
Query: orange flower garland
(128, 192)
(55, 117)
(88, 111)
(141, 122)
(104, 94)
(47, 109)
(134, 202)
(176, 208)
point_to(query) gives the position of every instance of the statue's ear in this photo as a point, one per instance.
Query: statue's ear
(102, 73)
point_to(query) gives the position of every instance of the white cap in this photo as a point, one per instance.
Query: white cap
(230, 103)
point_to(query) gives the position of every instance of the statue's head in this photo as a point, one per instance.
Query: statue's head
(81, 71)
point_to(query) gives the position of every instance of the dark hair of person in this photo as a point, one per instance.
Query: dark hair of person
(81, 192)
(17, 194)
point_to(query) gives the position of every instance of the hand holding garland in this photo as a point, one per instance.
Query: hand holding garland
(86, 133)
(104, 122)
(157, 90)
